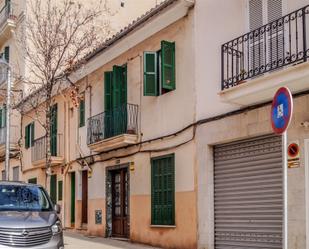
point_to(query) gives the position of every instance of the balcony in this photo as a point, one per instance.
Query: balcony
(7, 21)
(38, 151)
(113, 129)
(257, 63)
(14, 134)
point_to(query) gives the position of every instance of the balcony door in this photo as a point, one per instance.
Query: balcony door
(115, 119)
(266, 45)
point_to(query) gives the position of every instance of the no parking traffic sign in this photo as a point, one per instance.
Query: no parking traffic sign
(281, 114)
(281, 110)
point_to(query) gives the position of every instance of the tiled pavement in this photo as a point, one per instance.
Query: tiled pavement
(78, 241)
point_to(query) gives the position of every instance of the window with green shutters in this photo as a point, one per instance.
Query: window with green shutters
(82, 112)
(160, 70)
(60, 189)
(29, 135)
(163, 190)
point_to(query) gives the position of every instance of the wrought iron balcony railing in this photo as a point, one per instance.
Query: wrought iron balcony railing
(38, 149)
(121, 120)
(272, 46)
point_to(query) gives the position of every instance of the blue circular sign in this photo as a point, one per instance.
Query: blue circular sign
(281, 110)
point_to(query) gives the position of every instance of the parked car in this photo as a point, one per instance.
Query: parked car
(28, 218)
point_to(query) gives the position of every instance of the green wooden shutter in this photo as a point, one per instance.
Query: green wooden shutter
(108, 103)
(53, 188)
(168, 65)
(60, 189)
(53, 130)
(124, 107)
(108, 82)
(1, 118)
(7, 54)
(119, 100)
(150, 74)
(4, 110)
(32, 134)
(117, 82)
(82, 113)
(163, 190)
(8, 4)
(33, 180)
(123, 86)
(27, 136)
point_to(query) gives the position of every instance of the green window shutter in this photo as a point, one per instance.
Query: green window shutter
(168, 65)
(53, 188)
(33, 180)
(119, 114)
(60, 189)
(8, 3)
(82, 113)
(1, 118)
(117, 83)
(7, 54)
(123, 86)
(108, 103)
(27, 136)
(163, 190)
(150, 74)
(32, 134)
(108, 83)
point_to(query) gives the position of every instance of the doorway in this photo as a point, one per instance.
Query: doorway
(53, 188)
(118, 202)
(72, 199)
(84, 197)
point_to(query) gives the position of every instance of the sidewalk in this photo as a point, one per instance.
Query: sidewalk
(78, 241)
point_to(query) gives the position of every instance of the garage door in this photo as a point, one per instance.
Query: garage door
(248, 196)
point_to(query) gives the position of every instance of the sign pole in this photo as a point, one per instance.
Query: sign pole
(285, 191)
(281, 114)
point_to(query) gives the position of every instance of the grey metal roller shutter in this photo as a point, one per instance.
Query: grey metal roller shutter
(248, 186)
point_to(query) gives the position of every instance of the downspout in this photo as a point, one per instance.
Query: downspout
(66, 152)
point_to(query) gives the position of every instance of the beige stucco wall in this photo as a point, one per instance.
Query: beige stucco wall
(218, 22)
(174, 111)
(250, 124)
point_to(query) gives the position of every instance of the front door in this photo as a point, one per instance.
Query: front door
(85, 197)
(120, 203)
(72, 198)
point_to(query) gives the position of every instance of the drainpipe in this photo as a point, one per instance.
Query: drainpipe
(66, 152)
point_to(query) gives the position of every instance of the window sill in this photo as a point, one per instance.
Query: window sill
(163, 226)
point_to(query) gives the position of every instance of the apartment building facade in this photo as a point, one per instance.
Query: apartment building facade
(120, 168)
(13, 14)
(258, 47)
(141, 177)
(171, 144)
